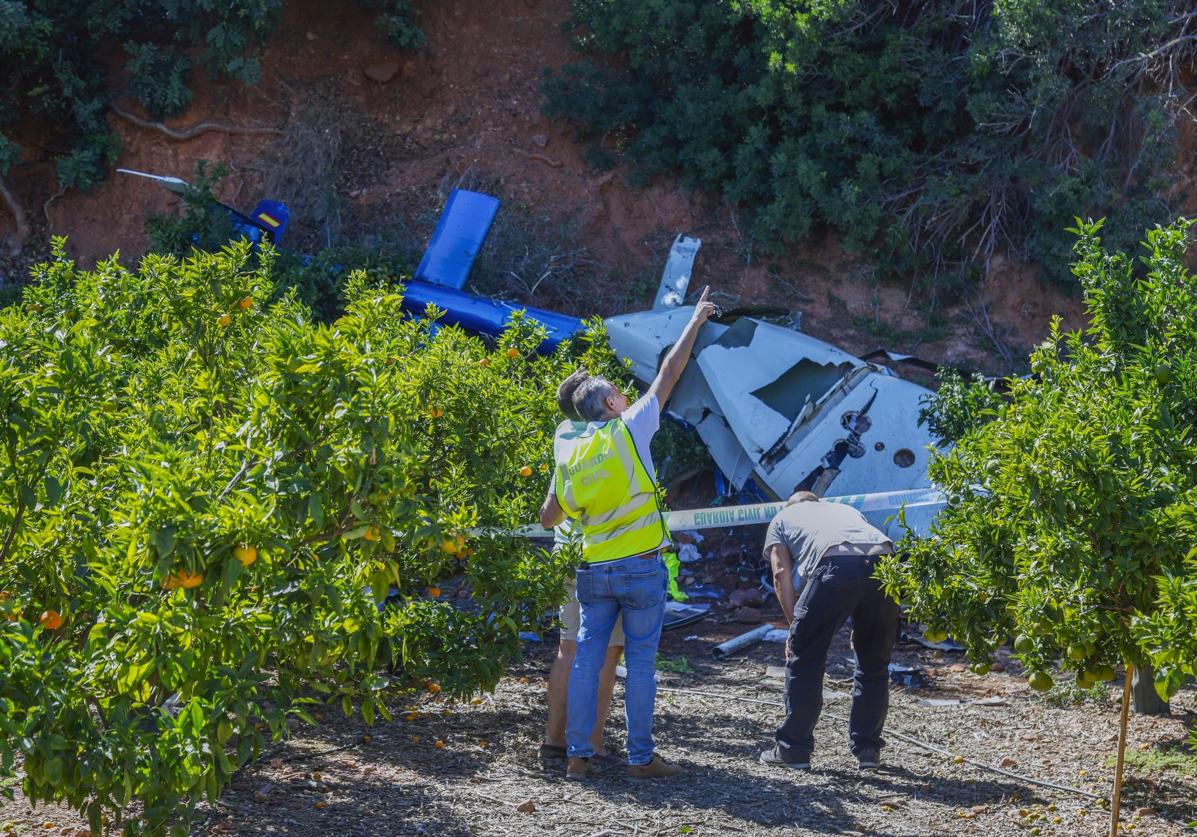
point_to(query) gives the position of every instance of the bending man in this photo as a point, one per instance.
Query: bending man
(834, 549)
(605, 480)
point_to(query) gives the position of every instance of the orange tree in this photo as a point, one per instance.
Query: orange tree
(1071, 517)
(203, 498)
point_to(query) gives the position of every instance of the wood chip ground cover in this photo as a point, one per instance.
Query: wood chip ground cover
(345, 779)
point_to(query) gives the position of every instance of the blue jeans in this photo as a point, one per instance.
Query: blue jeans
(635, 587)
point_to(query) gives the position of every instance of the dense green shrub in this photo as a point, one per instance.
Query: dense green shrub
(933, 132)
(1071, 512)
(160, 78)
(202, 225)
(319, 281)
(156, 424)
(958, 405)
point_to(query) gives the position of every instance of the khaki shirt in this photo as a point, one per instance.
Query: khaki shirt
(811, 529)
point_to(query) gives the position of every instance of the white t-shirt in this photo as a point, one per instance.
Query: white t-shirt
(642, 419)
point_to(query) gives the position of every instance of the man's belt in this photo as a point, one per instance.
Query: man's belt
(859, 550)
(652, 553)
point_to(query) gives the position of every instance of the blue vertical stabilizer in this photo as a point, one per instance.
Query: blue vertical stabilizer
(457, 239)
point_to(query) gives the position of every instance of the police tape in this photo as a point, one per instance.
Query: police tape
(722, 517)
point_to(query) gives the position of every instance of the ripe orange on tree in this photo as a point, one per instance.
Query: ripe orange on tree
(187, 579)
(513, 352)
(373, 533)
(245, 303)
(526, 471)
(223, 320)
(434, 592)
(245, 554)
(51, 620)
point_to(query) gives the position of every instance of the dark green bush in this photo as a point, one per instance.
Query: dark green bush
(53, 57)
(961, 404)
(319, 280)
(160, 78)
(395, 22)
(931, 133)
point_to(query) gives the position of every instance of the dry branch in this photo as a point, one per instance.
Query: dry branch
(979, 312)
(554, 163)
(20, 217)
(192, 132)
(49, 202)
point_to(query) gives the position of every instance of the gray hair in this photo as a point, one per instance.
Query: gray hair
(590, 398)
(565, 394)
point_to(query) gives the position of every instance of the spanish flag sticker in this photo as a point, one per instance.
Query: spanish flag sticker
(262, 216)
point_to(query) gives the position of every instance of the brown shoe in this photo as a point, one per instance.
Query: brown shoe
(578, 770)
(658, 768)
(606, 759)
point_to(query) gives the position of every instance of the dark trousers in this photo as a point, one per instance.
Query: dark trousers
(838, 587)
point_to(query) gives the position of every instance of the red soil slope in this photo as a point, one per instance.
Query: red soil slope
(467, 108)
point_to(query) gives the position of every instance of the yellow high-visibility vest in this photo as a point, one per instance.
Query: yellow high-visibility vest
(602, 483)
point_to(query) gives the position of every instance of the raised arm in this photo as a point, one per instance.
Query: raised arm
(675, 362)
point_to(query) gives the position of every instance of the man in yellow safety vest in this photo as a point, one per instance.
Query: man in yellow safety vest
(605, 481)
(570, 618)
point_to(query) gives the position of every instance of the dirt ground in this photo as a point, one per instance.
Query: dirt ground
(397, 779)
(400, 783)
(466, 110)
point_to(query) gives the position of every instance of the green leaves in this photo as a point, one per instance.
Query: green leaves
(929, 137)
(370, 464)
(1071, 513)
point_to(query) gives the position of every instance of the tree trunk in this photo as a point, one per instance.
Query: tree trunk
(1146, 700)
(1116, 804)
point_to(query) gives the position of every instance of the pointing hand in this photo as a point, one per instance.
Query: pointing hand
(704, 309)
